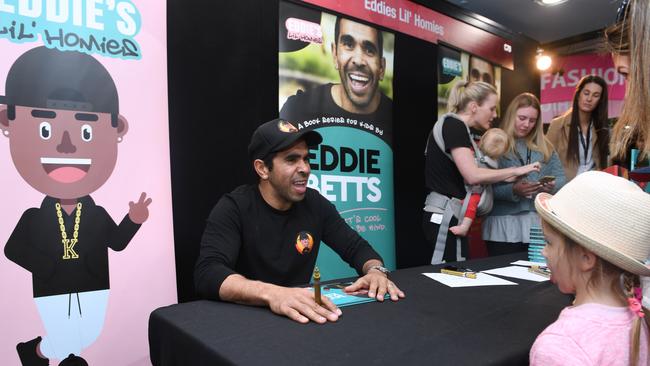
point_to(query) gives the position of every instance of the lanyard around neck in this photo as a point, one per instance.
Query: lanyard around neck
(584, 141)
(521, 160)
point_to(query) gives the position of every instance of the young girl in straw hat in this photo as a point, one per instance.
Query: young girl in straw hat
(597, 229)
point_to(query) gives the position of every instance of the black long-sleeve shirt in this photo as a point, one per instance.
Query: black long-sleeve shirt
(247, 236)
(35, 245)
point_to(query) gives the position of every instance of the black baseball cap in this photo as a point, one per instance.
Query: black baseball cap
(53, 79)
(277, 135)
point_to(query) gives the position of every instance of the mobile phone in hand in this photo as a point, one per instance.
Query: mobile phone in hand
(546, 179)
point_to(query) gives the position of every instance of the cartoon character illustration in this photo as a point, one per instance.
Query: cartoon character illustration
(61, 116)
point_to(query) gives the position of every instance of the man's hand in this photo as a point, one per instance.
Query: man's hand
(139, 211)
(378, 285)
(299, 304)
(525, 189)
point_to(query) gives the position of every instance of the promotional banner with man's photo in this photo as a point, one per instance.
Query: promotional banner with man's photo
(336, 76)
(455, 65)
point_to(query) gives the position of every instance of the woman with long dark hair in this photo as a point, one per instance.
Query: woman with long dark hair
(581, 135)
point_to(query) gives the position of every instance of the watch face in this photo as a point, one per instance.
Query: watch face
(380, 268)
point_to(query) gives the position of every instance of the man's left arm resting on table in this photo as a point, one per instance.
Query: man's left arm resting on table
(376, 281)
(357, 252)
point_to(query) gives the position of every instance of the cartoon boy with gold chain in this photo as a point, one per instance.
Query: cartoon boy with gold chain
(61, 116)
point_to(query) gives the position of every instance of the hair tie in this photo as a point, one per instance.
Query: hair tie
(634, 302)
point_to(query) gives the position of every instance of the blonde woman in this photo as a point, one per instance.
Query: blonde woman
(627, 40)
(471, 105)
(507, 228)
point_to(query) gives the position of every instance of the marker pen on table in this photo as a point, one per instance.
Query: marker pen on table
(459, 273)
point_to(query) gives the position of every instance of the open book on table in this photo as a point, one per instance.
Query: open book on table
(334, 291)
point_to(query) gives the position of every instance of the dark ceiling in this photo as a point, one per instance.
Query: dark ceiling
(545, 23)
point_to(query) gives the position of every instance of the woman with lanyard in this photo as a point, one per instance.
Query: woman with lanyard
(581, 136)
(471, 105)
(507, 228)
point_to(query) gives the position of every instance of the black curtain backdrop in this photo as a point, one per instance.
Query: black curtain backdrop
(223, 83)
(414, 112)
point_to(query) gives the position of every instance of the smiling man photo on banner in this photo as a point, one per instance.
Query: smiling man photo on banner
(357, 53)
(61, 117)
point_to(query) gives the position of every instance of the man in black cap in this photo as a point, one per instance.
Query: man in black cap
(248, 251)
(61, 116)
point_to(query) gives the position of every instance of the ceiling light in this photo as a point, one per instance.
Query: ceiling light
(543, 61)
(550, 2)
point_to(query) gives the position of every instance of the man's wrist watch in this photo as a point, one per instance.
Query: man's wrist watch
(381, 269)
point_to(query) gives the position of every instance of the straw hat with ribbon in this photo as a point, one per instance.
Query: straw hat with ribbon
(606, 214)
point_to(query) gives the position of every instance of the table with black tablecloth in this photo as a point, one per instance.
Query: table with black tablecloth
(434, 324)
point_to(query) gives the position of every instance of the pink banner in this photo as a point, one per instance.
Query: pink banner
(421, 22)
(558, 85)
(84, 131)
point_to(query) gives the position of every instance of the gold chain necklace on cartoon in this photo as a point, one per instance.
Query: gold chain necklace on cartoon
(68, 244)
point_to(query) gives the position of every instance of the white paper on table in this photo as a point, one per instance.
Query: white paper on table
(528, 263)
(517, 272)
(481, 279)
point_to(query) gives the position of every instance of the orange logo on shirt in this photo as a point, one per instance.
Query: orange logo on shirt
(304, 242)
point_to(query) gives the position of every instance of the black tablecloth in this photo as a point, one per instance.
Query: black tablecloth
(434, 324)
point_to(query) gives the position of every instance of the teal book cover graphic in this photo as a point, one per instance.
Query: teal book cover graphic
(340, 298)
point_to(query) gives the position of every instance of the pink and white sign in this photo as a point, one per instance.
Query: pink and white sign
(87, 220)
(557, 89)
(421, 22)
